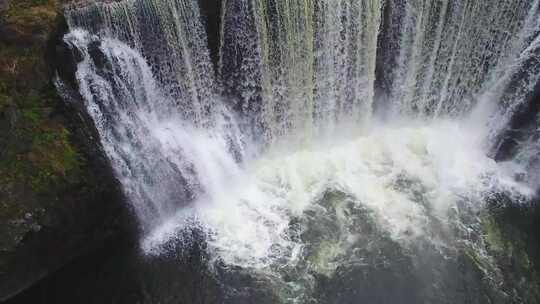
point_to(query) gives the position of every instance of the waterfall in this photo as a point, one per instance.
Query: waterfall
(299, 67)
(302, 63)
(450, 52)
(147, 83)
(305, 65)
(340, 140)
(171, 38)
(302, 70)
(296, 69)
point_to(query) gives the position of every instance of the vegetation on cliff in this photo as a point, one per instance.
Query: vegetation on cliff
(37, 160)
(52, 188)
(511, 234)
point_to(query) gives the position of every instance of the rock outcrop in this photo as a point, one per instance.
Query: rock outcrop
(58, 197)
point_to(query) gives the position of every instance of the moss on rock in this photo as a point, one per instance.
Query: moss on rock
(36, 157)
(514, 248)
(52, 183)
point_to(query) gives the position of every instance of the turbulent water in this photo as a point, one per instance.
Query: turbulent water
(342, 154)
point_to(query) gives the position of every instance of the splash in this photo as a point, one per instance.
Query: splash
(300, 211)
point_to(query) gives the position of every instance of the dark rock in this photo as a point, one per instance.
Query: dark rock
(68, 67)
(515, 244)
(118, 273)
(74, 209)
(3, 5)
(211, 15)
(96, 54)
(62, 56)
(388, 48)
(522, 125)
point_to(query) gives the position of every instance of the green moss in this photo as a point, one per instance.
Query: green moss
(38, 162)
(30, 16)
(509, 246)
(493, 235)
(38, 152)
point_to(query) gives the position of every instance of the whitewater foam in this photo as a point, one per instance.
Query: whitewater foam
(408, 176)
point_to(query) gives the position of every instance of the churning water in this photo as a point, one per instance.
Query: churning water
(280, 161)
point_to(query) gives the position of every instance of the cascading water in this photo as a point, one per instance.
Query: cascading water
(171, 38)
(449, 58)
(450, 53)
(303, 65)
(332, 204)
(156, 124)
(449, 49)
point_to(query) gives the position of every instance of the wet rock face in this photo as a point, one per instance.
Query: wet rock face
(58, 197)
(67, 67)
(211, 14)
(97, 54)
(519, 139)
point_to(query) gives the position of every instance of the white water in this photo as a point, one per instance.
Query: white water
(412, 179)
(162, 161)
(169, 36)
(287, 190)
(250, 214)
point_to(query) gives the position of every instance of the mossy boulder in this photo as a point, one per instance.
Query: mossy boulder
(512, 238)
(57, 195)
